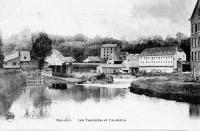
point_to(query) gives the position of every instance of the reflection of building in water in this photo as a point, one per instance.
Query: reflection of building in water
(194, 111)
(81, 93)
(39, 103)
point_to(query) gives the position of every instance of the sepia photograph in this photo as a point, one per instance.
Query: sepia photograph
(99, 65)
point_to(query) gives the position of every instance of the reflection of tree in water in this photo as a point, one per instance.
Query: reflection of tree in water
(194, 111)
(41, 102)
(10, 90)
(80, 93)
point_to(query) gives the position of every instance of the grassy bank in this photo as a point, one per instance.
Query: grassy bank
(166, 88)
(11, 87)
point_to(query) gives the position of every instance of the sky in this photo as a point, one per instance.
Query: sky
(121, 19)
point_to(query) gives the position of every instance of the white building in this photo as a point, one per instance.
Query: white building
(161, 59)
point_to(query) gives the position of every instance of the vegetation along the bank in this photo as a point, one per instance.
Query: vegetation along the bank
(167, 88)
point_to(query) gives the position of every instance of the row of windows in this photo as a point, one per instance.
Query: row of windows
(196, 42)
(156, 57)
(195, 55)
(156, 62)
(14, 63)
(107, 49)
(107, 52)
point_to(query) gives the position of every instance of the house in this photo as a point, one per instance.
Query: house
(195, 41)
(21, 60)
(131, 64)
(161, 59)
(93, 59)
(109, 68)
(59, 64)
(108, 49)
(114, 59)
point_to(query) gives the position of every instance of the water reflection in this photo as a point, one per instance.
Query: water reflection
(80, 93)
(39, 102)
(194, 111)
(58, 86)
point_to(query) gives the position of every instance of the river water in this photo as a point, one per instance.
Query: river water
(91, 107)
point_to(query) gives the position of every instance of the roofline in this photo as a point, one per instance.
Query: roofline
(12, 59)
(194, 9)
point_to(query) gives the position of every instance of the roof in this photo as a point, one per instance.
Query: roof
(133, 57)
(159, 51)
(130, 63)
(68, 59)
(193, 13)
(112, 65)
(23, 55)
(184, 62)
(109, 46)
(56, 58)
(115, 57)
(93, 59)
(12, 56)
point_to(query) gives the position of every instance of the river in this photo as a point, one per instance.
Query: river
(110, 106)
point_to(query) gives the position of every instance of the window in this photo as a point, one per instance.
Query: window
(14, 63)
(195, 57)
(192, 56)
(5, 63)
(196, 42)
(25, 57)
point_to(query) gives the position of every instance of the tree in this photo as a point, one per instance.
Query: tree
(41, 48)
(1, 52)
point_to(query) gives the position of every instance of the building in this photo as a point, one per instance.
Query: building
(84, 67)
(109, 68)
(108, 49)
(59, 64)
(195, 41)
(21, 60)
(161, 59)
(114, 59)
(93, 59)
(131, 64)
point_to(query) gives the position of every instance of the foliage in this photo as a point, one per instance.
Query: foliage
(1, 53)
(41, 48)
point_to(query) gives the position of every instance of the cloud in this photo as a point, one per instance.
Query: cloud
(115, 18)
(175, 10)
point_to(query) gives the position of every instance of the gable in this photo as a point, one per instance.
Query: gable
(196, 11)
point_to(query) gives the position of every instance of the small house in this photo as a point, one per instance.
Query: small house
(131, 64)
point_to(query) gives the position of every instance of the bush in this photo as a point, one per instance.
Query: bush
(101, 76)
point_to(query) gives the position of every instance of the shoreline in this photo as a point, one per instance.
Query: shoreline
(169, 90)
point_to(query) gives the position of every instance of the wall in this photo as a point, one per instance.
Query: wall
(10, 64)
(154, 61)
(156, 69)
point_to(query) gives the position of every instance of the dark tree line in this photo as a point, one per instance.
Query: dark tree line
(80, 46)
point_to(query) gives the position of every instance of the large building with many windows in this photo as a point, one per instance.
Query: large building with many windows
(108, 49)
(195, 40)
(161, 59)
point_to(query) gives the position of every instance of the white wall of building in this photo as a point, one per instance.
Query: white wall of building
(157, 69)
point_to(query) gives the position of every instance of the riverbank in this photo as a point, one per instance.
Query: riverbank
(166, 88)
